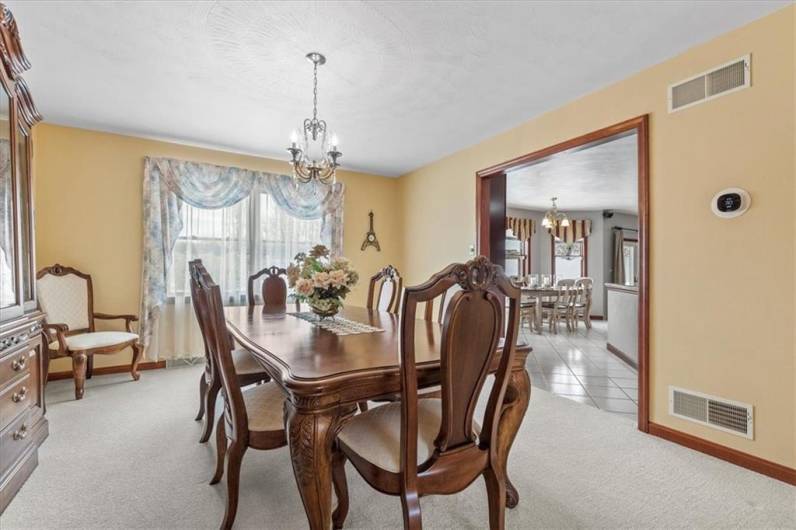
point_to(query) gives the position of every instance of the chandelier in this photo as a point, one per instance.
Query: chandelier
(313, 159)
(553, 218)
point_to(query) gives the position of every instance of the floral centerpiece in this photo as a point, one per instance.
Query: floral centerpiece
(321, 281)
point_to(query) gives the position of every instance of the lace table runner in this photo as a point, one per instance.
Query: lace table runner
(337, 325)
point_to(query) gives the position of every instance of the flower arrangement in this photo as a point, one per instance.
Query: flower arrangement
(321, 281)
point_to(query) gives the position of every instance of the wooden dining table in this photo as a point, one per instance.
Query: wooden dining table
(538, 293)
(324, 376)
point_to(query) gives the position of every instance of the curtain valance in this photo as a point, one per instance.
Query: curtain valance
(577, 230)
(169, 182)
(523, 228)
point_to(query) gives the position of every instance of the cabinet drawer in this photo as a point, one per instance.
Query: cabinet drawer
(16, 398)
(14, 439)
(15, 364)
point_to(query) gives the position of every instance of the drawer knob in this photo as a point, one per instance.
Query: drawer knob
(21, 434)
(16, 397)
(19, 364)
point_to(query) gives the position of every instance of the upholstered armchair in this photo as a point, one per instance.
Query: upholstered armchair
(66, 296)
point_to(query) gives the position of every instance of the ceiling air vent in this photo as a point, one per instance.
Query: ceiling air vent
(722, 80)
(729, 416)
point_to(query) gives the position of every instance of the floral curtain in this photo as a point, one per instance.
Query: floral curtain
(169, 183)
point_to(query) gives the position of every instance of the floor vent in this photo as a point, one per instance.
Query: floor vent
(729, 416)
(720, 81)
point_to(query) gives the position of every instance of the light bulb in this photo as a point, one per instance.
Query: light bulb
(293, 138)
(334, 142)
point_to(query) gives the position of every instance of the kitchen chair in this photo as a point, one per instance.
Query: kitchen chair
(559, 305)
(528, 311)
(66, 295)
(581, 307)
(247, 369)
(422, 447)
(253, 417)
(385, 286)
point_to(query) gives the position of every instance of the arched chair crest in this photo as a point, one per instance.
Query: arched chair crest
(274, 289)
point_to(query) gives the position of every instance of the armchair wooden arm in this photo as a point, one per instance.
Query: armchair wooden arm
(60, 333)
(128, 319)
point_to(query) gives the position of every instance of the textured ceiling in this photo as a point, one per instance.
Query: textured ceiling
(599, 177)
(406, 82)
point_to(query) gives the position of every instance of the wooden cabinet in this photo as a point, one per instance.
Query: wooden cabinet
(23, 425)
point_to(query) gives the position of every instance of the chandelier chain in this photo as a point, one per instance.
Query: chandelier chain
(315, 92)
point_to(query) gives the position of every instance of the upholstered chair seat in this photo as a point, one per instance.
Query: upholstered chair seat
(375, 435)
(96, 339)
(265, 407)
(246, 364)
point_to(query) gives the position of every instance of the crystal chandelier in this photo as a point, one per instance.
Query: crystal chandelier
(313, 159)
(553, 218)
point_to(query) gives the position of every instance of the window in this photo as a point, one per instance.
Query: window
(629, 256)
(236, 241)
(569, 261)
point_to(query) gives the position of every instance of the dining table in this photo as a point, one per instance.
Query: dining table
(538, 293)
(325, 375)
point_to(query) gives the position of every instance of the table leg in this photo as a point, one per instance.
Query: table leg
(515, 403)
(310, 436)
(538, 314)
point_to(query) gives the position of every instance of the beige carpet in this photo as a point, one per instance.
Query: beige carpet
(127, 456)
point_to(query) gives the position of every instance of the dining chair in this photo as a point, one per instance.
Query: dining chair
(528, 311)
(384, 290)
(423, 447)
(559, 305)
(247, 370)
(582, 304)
(253, 417)
(273, 293)
(66, 296)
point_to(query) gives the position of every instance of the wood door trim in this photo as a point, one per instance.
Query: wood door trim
(640, 125)
(739, 458)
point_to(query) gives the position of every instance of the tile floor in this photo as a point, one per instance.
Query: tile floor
(576, 365)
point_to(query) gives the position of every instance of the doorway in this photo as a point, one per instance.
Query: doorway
(568, 247)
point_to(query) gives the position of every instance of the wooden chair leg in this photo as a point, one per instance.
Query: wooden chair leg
(89, 366)
(235, 454)
(410, 504)
(136, 359)
(79, 373)
(340, 489)
(221, 450)
(202, 394)
(496, 494)
(210, 411)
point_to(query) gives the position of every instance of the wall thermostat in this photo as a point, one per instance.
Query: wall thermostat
(731, 202)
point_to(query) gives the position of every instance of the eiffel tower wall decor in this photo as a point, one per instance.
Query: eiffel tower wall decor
(370, 237)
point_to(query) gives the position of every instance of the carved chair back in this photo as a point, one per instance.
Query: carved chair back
(585, 287)
(210, 312)
(66, 296)
(471, 328)
(274, 288)
(210, 364)
(385, 290)
(444, 300)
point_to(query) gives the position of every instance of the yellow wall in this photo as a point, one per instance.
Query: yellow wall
(722, 314)
(88, 212)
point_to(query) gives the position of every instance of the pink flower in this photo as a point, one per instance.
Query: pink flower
(338, 278)
(304, 287)
(321, 280)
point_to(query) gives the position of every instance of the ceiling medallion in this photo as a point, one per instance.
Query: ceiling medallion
(553, 218)
(313, 159)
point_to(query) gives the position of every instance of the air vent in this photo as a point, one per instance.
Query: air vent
(722, 80)
(729, 416)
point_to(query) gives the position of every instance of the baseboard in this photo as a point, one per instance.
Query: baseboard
(105, 370)
(622, 355)
(751, 462)
(597, 317)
